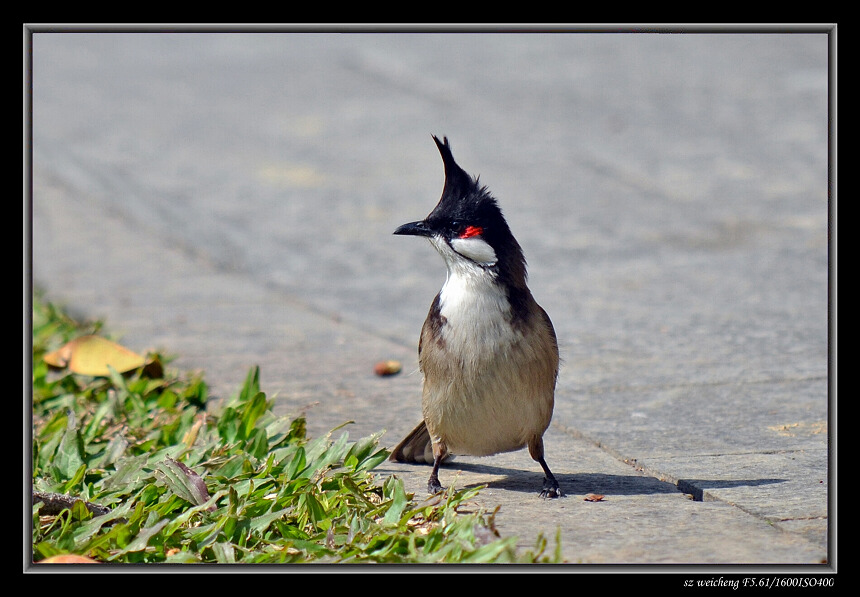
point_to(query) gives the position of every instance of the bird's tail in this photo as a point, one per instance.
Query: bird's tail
(415, 447)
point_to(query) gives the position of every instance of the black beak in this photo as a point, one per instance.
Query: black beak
(414, 229)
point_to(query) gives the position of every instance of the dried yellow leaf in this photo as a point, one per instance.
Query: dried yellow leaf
(92, 355)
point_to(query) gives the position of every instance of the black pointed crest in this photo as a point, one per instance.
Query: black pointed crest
(462, 196)
(458, 183)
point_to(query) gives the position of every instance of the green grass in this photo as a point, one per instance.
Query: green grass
(151, 476)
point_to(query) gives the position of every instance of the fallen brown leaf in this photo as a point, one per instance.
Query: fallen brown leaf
(385, 368)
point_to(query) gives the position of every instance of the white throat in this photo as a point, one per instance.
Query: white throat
(474, 305)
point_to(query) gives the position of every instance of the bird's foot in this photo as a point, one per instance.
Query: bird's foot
(550, 488)
(434, 486)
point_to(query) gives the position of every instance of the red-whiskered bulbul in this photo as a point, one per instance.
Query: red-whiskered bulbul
(487, 351)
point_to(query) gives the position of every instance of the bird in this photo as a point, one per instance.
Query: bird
(487, 351)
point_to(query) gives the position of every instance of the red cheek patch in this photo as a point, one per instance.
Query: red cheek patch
(471, 231)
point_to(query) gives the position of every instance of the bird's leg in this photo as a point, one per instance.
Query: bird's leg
(550, 485)
(439, 453)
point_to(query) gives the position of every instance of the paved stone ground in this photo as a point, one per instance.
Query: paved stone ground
(230, 198)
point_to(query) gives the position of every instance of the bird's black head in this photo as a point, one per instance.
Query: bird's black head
(468, 219)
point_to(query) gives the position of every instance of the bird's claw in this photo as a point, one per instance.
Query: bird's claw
(550, 489)
(434, 486)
